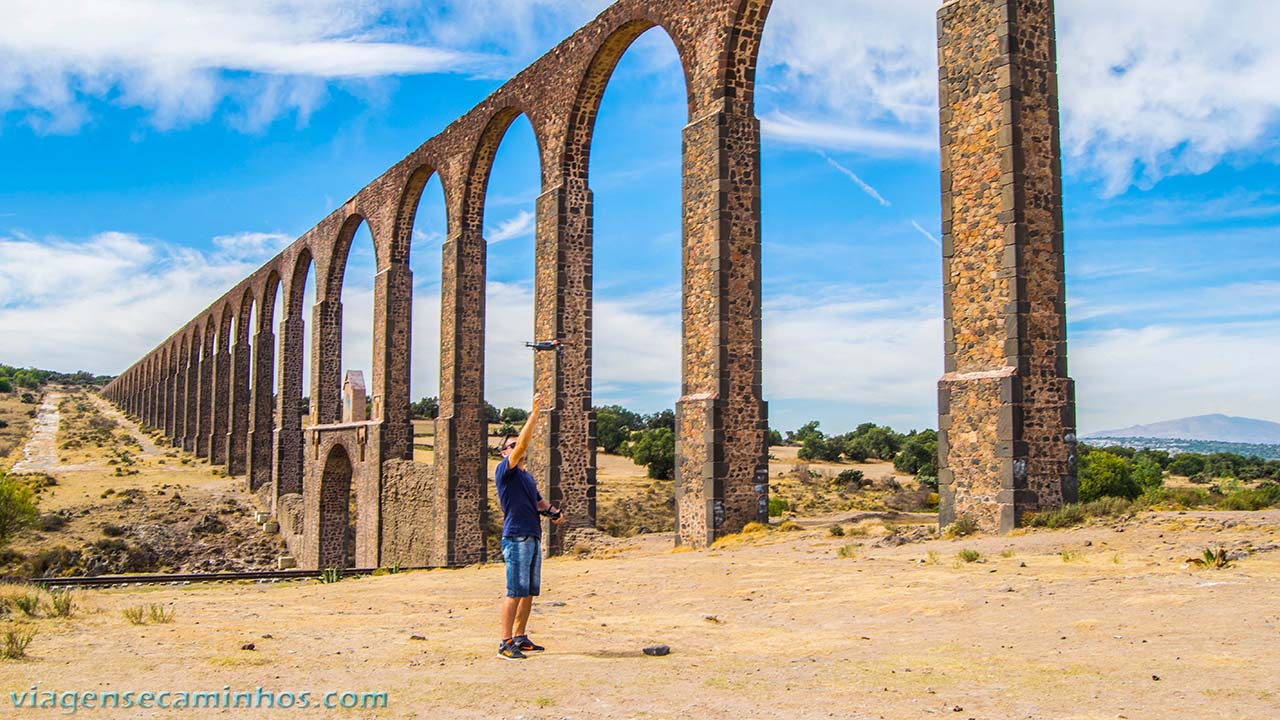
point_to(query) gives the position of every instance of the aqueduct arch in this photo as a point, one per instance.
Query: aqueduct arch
(1006, 405)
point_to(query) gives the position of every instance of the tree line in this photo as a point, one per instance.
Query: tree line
(31, 378)
(1122, 472)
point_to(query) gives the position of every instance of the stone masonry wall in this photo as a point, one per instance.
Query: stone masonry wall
(1006, 405)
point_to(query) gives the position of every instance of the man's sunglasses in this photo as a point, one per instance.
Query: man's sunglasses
(509, 446)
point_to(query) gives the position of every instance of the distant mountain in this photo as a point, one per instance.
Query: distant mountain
(1219, 428)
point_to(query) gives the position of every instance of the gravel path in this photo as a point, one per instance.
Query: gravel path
(40, 454)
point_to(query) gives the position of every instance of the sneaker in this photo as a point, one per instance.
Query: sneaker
(525, 644)
(511, 651)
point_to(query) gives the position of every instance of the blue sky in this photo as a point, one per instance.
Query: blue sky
(156, 152)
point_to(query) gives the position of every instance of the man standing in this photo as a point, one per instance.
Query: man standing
(521, 537)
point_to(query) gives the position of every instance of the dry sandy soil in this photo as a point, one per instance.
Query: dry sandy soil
(162, 511)
(1104, 621)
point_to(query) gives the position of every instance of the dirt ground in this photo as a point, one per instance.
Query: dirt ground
(1103, 622)
(886, 621)
(130, 506)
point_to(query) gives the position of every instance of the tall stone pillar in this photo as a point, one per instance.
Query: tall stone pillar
(288, 434)
(192, 425)
(461, 462)
(171, 396)
(722, 470)
(149, 399)
(1006, 407)
(392, 344)
(220, 412)
(262, 426)
(238, 425)
(160, 392)
(179, 398)
(326, 362)
(563, 453)
(204, 415)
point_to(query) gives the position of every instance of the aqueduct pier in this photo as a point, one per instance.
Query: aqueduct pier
(1006, 403)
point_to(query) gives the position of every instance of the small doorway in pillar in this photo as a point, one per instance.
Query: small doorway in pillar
(338, 512)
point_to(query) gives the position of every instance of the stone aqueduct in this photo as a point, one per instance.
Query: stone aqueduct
(1006, 404)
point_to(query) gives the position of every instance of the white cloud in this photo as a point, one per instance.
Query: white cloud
(1149, 88)
(830, 348)
(520, 225)
(1162, 372)
(782, 127)
(508, 367)
(247, 245)
(1152, 88)
(858, 58)
(173, 58)
(100, 303)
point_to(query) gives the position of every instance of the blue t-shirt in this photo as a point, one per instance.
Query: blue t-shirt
(518, 496)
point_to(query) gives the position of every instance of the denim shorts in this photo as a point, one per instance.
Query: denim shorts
(523, 556)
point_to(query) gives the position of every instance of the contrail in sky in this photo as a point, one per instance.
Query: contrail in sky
(854, 177)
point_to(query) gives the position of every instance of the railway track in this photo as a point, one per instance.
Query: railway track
(161, 579)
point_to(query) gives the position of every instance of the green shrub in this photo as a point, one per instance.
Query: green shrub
(60, 603)
(1105, 475)
(108, 545)
(969, 555)
(963, 525)
(159, 614)
(28, 603)
(655, 449)
(1174, 498)
(1065, 516)
(777, 506)
(17, 507)
(1259, 498)
(52, 562)
(918, 454)
(16, 642)
(848, 479)
(1069, 515)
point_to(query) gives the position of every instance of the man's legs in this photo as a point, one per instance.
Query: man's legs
(524, 605)
(511, 612)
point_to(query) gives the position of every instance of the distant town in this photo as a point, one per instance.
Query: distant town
(1204, 447)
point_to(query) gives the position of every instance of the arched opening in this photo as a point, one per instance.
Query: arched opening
(263, 382)
(222, 385)
(278, 312)
(850, 247)
(337, 541)
(295, 377)
(204, 419)
(428, 231)
(635, 176)
(510, 212)
(356, 266)
(506, 181)
(242, 341)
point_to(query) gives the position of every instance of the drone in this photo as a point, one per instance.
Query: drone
(545, 345)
